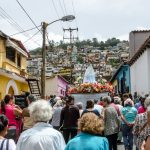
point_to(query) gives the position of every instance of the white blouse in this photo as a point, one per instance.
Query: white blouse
(41, 136)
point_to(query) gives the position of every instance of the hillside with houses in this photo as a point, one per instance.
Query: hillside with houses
(71, 61)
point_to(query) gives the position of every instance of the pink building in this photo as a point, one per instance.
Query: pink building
(56, 86)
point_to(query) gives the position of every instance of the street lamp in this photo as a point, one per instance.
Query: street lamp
(44, 26)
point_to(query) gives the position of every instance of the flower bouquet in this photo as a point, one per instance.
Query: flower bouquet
(91, 88)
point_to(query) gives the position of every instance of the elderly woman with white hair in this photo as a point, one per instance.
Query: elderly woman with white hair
(41, 136)
(128, 116)
(141, 129)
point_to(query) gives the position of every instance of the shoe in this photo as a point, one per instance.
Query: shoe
(119, 142)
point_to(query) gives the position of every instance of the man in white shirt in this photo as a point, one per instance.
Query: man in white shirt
(99, 108)
(41, 136)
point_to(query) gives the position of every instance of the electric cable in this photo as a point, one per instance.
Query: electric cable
(32, 36)
(13, 23)
(24, 31)
(28, 15)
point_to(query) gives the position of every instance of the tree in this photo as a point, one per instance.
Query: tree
(95, 42)
(112, 42)
(102, 45)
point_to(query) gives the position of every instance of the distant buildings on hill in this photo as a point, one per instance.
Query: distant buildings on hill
(73, 63)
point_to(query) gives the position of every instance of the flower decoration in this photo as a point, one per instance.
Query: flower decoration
(91, 88)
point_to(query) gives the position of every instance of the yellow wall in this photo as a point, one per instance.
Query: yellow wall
(2, 52)
(10, 65)
(24, 63)
(22, 87)
(3, 84)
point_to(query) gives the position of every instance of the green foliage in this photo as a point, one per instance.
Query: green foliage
(81, 44)
(112, 42)
(80, 59)
(113, 62)
(36, 51)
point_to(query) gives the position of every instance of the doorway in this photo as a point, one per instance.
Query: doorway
(11, 91)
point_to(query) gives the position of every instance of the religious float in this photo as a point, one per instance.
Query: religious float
(90, 88)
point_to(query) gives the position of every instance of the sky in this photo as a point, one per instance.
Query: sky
(101, 19)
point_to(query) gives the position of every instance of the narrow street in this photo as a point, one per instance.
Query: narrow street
(121, 147)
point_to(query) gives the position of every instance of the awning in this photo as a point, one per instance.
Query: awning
(9, 43)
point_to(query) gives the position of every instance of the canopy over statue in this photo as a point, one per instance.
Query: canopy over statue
(89, 76)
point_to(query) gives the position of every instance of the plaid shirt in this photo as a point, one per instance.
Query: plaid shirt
(139, 132)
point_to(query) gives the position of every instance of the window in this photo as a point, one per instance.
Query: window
(10, 53)
(61, 91)
(18, 60)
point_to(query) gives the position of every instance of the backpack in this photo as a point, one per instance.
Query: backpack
(7, 144)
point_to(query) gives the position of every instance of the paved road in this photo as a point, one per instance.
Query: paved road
(121, 147)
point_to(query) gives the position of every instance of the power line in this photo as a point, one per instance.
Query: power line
(65, 6)
(24, 31)
(32, 36)
(57, 16)
(71, 38)
(74, 12)
(27, 14)
(12, 22)
(56, 12)
(62, 8)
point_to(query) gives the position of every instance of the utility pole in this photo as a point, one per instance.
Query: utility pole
(44, 26)
(43, 78)
(70, 38)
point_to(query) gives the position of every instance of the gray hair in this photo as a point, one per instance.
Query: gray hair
(147, 102)
(117, 100)
(40, 111)
(31, 98)
(58, 103)
(107, 99)
(79, 105)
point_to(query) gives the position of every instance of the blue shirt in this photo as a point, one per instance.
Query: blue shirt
(129, 113)
(85, 141)
(137, 105)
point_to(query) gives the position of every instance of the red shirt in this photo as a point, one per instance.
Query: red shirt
(141, 110)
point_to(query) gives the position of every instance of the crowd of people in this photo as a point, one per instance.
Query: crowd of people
(61, 124)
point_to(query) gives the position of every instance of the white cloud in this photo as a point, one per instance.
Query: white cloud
(141, 28)
(55, 37)
(99, 37)
(6, 27)
(102, 19)
(123, 37)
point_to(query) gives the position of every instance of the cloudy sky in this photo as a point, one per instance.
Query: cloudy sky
(102, 19)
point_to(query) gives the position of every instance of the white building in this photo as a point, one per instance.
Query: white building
(140, 70)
